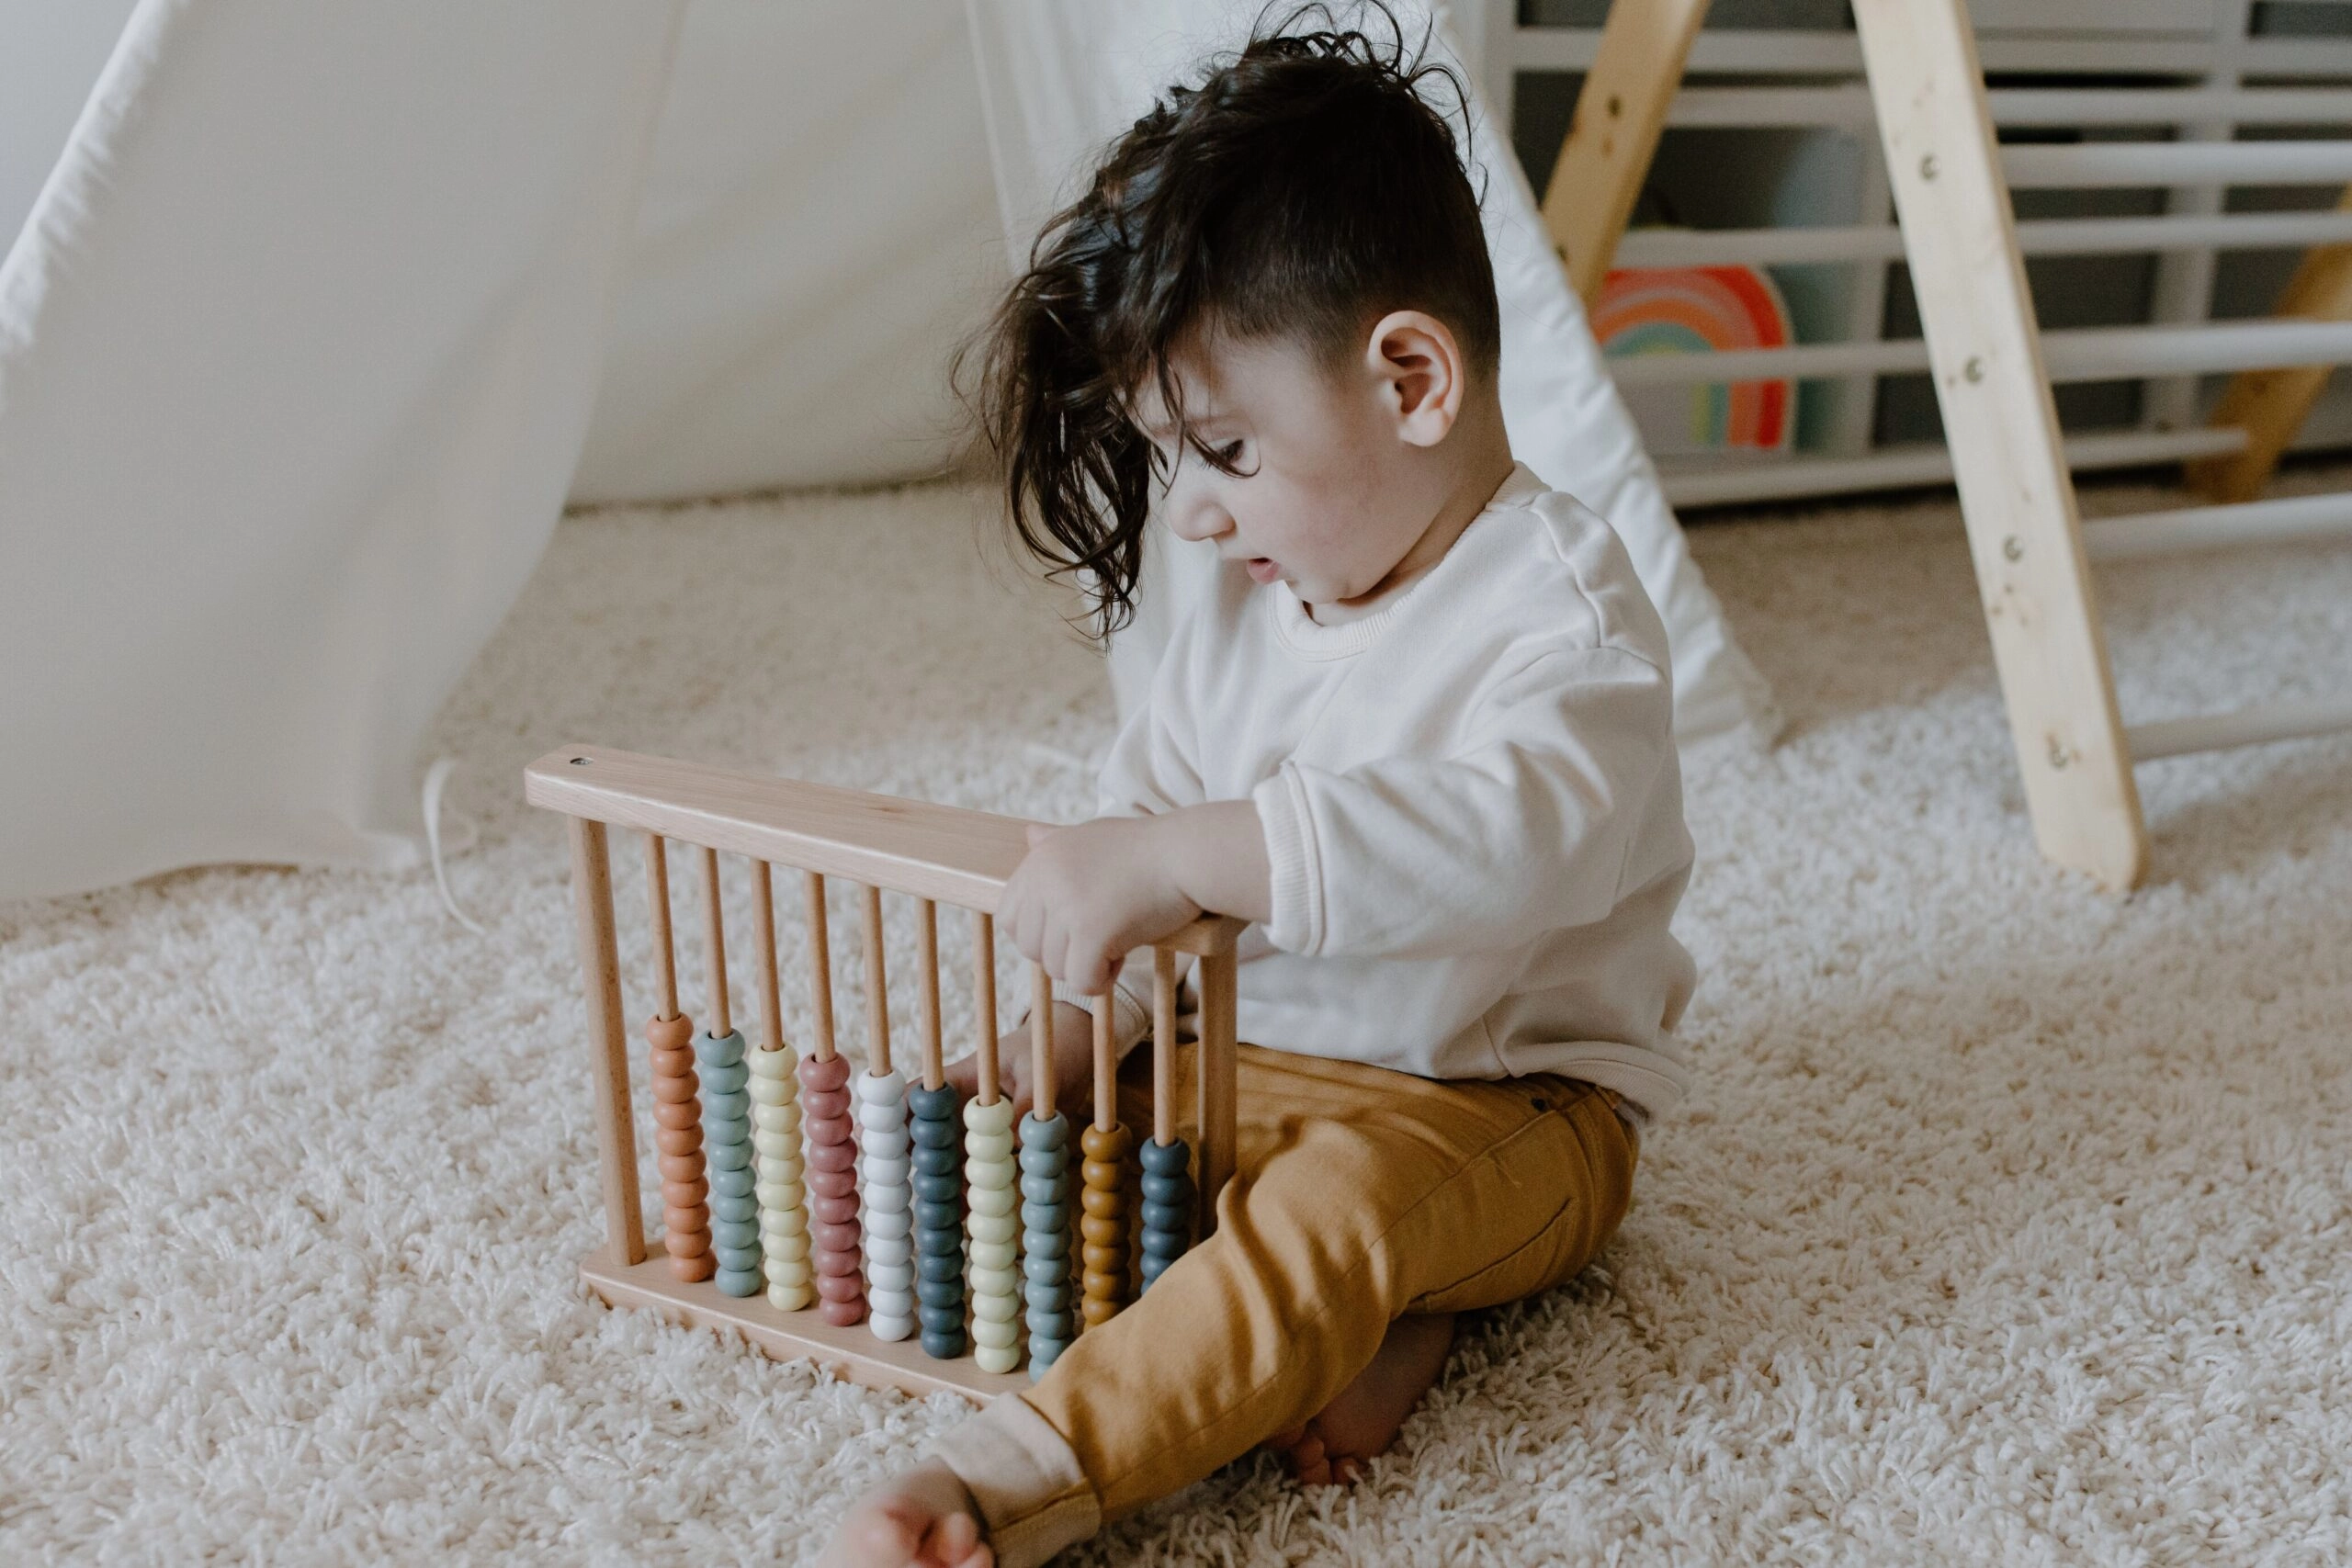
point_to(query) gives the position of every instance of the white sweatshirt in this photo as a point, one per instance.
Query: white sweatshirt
(1472, 805)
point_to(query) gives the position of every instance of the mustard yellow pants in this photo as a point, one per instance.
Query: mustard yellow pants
(1360, 1194)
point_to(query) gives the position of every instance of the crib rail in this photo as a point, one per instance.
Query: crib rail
(713, 1273)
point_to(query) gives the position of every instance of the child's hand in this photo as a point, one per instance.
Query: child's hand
(1086, 894)
(1073, 1059)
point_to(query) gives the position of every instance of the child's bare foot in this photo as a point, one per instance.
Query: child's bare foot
(1364, 1417)
(920, 1518)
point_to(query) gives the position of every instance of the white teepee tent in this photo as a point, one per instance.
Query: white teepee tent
(302, 338)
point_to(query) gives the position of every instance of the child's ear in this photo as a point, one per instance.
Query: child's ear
(1422, 374)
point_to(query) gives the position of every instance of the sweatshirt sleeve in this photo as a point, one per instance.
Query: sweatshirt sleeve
(1526, 827)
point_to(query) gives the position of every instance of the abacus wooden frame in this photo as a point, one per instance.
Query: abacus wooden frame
(942, 852)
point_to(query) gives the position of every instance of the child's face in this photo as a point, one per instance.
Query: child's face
(1332, 484)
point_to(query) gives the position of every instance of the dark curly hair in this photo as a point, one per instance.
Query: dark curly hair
(1302, 189)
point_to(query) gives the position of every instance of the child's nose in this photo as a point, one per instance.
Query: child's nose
(1200, 519)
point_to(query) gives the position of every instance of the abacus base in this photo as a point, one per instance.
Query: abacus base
(851, 1354)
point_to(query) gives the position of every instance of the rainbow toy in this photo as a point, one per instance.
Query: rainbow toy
(1698, 309)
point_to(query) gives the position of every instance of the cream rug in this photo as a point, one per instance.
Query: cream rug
(2009, 1222)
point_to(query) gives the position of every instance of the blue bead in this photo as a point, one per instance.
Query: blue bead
(943, 1347)
(1164, 1216)
(1051, 1241)
(733, 1183)
(741, 1281)
(735, 1232)
(1043, 1271)
(1036, 1134)
(938, 1188)
(1166, 1189)
(939, 1293)
(946, 1265)
(932, 1104)
(941, 1319)
(1165, 1159)
(737, 1256)
(734, 1106)
(937, 1162)
(1045, 1349)
(1045, 1188)
(940, 1244)
(734, 1208)
(1044, 1162)
(724, 1080)
(1153, 1268)
(934, 1216)
(933, 1135)
(1047, 1217)
(728, 1156)
(719, 1051)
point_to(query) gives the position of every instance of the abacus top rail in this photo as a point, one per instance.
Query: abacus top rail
(942, 853)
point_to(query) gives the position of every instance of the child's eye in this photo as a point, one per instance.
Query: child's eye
(1230, 455)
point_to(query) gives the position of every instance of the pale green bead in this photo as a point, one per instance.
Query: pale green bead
(773, 1066)
(993, 1253)
(988, 1178)
(992, 1227)
(996, 1118)
(784, 1117)
(777, 1145)
(787, 1271)
(993, 1203)
(994, 1309)
(987, 1146)
(793, 1298)
(999, 1338)
(781, 1195)
(995, 1281)
(790, 1247)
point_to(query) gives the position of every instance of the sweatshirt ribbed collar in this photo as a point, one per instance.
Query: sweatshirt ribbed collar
(1310, 638)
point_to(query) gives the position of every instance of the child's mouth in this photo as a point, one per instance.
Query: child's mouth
(1264, 569)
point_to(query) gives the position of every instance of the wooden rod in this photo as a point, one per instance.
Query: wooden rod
(714, 927)
(1106, 1064)
(935, 1049)
(600, 969)
(1163, 1046)
(657, 890)
(877, 1000)
(771, 993)
(821, 969)
(984, 1000)
(1219, 1067)
(1041, 1042)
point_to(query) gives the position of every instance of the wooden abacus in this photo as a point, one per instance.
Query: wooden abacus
(823, 1213)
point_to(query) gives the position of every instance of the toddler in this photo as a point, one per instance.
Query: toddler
(1419, 733)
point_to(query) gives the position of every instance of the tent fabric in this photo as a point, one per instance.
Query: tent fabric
(1061, 78)
(297, 348)
(321, 314)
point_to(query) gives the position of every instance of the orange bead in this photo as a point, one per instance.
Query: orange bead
(1102, 1203)
(690, 1220)
(701, 1265)
(678, 1140)
(687, 1243)
(670, 1034)
(681, 1167)
(673, 1091)
(681, 1194)
(685, 1114)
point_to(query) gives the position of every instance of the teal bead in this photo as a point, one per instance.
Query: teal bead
(1047, 1217)
(940, 1267)
(932, 1104)
(731, 1182)
(1164, 1216)
(1044, 1243)
(720, 1051)
(1166, 1189)
(935, 1134)
(1044, 1162)
(1043, 1189)
(1046, 1271)
(734, 1209)
(1165, 1159)
(937, 1187)
(724, 1080)
(1039, 1134)
(739, 1281)
(726, 1106)
(737, 1256)
(943, 1346)
(940, 1244)
(729, 1156)
(931, 1217)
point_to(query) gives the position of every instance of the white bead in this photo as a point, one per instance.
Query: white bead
(889, 1249)
(890, 1224)
(897, 1276)
(882, 1170)
(993, 1253)
(882, 1089)
(891, 1327)
(992, 1227)
(996, 1118)
(885, 1143)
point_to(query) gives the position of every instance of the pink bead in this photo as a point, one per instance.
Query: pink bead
(832, 1183)
(841, 1287)
(836, 1263)
(823, 1075)
(824, 1105)
(829, 1148)
(832, 1211)
(843, 1315)
(832, 1236)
